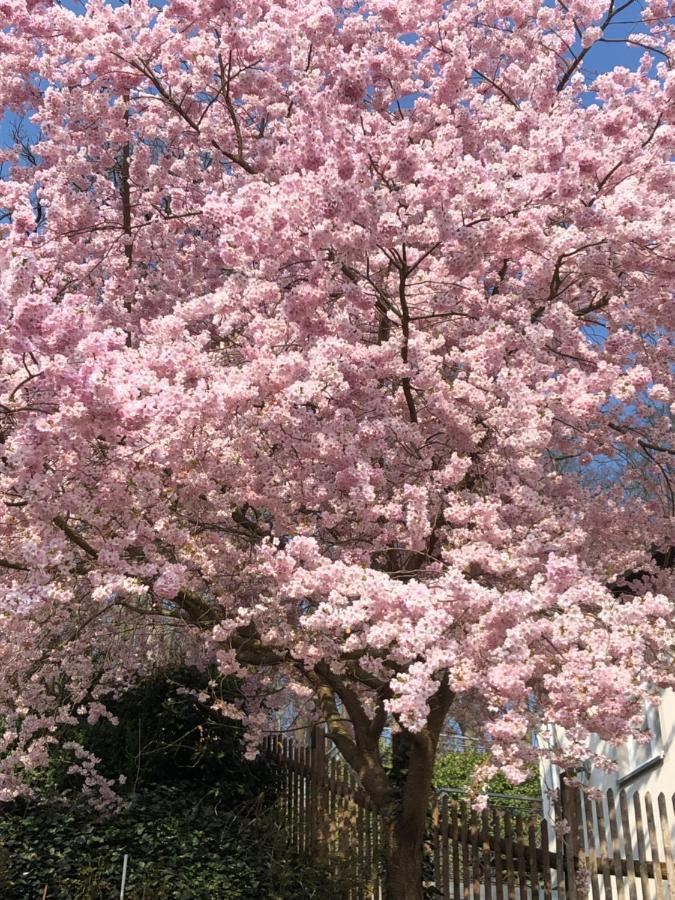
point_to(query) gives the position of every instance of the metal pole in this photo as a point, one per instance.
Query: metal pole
(124, 875)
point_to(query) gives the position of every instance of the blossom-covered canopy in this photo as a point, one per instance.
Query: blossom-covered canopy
(335, 349)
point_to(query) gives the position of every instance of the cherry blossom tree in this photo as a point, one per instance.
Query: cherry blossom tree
(319, 326)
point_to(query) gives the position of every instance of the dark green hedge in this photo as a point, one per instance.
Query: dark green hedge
(199, 822)
(181, 847)
(164, 736)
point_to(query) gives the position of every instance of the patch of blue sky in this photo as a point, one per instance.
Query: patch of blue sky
(12, 126)
(596, 333)
(405, 101)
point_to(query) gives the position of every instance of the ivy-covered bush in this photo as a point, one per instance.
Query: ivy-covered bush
(180, 847)
(199, 822)
(167, 732)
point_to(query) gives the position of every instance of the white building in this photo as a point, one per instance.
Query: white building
(643, 789)
(642, 767)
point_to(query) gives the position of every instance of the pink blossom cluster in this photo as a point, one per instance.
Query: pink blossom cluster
(336, 359)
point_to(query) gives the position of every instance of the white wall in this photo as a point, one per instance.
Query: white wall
(642, 769)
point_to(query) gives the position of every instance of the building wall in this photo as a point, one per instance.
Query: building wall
(642, 768)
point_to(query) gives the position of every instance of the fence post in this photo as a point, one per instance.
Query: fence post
(318, 810)
(574, 845)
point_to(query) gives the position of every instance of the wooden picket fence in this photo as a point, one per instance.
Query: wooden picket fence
(613, 848)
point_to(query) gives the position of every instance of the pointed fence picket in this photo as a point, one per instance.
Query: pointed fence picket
(598, 847)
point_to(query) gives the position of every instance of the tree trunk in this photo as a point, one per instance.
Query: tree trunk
(403, 860)
(400, 793)
(406, 815)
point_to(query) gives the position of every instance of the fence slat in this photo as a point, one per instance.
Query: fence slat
(573, 854)
(286, 782)
(332, 809)
(347, 815)
(302, 819)
(641, 845)
(487, 856)
(520, 854)
(616, 846)
(546, 867)
(667, 849)
(319, 818)
(653, 841)
(294, 793)
(534, 873)
(361, 866)
(436, 839)
(627, 845)
(602, 845)
(499, 862)
(299, 756)
(590, 847)
(379, 849)
(559, 853)
(289, 786)
(445, 849)
(455, 849)
(310, 812)
(464, 818)
(510, 872)
(296, 796)
(368, 848)
(475, 855)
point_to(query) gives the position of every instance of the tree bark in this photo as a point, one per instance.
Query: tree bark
(407, 806)
(401, 793)
(406, 814)
(403, 861)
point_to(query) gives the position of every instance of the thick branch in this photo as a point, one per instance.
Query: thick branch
(578, 59)
(501, 90)
(74, 537)
(405, 328)
(225, 80)
(8, 564)
(362, 752)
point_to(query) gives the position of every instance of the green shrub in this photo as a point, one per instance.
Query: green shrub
(455, 771)
(180, 847)
(200, 820)
(165, 735)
